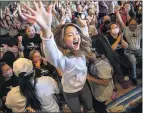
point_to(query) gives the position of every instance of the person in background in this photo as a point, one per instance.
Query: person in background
(103, 9)
(138, 9)
(10, 79)
(101, 72)
(42, 66)
(37, 94)
(104, 26)
(8, 50)
(118, 44)
(29, 41)
(133, 34)
(91, 21)
(110, 5)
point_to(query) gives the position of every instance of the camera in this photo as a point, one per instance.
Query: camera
(81, 15)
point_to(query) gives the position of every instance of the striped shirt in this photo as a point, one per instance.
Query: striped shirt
(133, 38)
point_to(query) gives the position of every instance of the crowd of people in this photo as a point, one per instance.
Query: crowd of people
(73, 52)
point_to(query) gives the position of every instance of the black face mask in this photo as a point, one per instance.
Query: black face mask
(107, 22)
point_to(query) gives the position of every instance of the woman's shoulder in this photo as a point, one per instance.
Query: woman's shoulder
(45, 79)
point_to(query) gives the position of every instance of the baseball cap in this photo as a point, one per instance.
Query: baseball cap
(22, 65)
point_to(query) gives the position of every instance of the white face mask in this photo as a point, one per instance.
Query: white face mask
(115, 31)
(8, 74)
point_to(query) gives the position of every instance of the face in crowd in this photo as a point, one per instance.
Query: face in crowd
(133, 25)
(106, 20)
(30, 31)
(114, 29)
(36, 57)
(7, 71)
(79, 8)
(91, 11)
(72, 38)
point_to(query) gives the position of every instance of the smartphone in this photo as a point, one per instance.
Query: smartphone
(81, 15)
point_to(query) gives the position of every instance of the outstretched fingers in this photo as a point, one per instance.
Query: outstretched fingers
(36, 6)
(30, 9)
(41, 5)
(29, 16)
(50, 9)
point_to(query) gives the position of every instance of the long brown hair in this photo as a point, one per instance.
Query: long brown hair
(85, 46)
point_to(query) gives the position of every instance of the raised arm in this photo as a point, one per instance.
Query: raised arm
(20, 13)
(44, 20)
(119, 17)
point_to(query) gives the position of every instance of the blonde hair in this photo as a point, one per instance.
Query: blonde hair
(31, 54)
(85, 46)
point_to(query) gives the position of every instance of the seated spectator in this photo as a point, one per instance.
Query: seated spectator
(104, 26)
(37, 94)
(10, 81)
(42, 66)
(8, 50)
(116, 38)
(29, 41)
(133, 34)
(118, 44)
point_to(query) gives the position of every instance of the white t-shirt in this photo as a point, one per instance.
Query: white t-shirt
(46, 87)
(74, 69)
(133, 38)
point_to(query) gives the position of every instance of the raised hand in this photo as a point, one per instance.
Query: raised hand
(43, 18)
(116, 8)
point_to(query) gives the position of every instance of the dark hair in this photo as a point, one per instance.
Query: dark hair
(102, 47)
(131, 20)
(27, 89)
(1, 66)
(109, 26)
(29, 25)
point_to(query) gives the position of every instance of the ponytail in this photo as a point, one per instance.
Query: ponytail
(28, 90)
